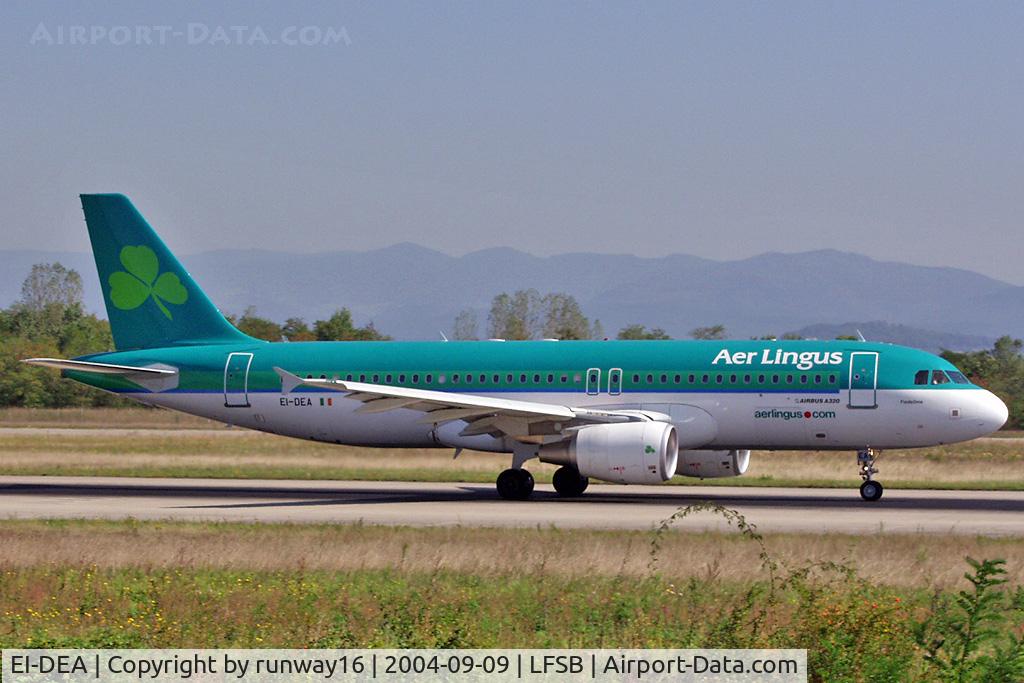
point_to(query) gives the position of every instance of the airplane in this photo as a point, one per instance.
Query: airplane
(629, 412)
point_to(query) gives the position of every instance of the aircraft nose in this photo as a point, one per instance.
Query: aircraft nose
(992, 411)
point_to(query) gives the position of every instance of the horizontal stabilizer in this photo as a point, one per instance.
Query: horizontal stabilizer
(99, 368)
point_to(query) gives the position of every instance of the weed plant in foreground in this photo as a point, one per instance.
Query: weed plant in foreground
(854, 630)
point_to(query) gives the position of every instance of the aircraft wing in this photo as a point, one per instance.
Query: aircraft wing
(518, 419)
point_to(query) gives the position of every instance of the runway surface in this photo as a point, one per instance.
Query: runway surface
(991, 513)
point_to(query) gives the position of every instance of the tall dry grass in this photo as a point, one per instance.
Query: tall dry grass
(913, 561)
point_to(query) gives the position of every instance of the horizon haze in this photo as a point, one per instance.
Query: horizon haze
(817, 293)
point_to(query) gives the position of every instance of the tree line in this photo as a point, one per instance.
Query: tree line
(49, 320)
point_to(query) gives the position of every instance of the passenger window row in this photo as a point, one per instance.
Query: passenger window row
(563, 378)
(458, 378)
(719, 378)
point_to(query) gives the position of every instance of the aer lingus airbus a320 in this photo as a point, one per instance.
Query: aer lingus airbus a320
(620, 411)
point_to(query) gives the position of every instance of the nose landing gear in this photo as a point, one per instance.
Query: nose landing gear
(870, 490)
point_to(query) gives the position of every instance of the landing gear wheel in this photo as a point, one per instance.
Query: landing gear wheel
(568, 482)
(871, 490)
(515, 484)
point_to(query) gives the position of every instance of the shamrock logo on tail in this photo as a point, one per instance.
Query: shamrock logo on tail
(143, 280)
(649, 449)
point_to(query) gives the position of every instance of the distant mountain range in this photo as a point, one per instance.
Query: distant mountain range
(929, 340)
(412, 292)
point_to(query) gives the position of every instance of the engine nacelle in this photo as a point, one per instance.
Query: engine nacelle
(626, 453)
(713, 464)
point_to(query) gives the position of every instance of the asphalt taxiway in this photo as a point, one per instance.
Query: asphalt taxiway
(989, 513)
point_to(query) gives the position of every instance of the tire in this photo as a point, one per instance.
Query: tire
(515, 484)
(569, 483)
(871, 490)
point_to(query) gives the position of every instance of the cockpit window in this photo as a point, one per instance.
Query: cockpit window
(921, 377)
(958, 377)
(939, 377)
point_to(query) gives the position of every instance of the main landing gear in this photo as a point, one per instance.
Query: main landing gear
(568, 482)
(870, 490)
(515, 484)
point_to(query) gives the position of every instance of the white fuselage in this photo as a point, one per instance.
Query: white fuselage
(903, 418)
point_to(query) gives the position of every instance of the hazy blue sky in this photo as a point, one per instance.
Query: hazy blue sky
(718, 129)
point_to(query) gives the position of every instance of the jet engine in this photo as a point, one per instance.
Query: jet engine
(713, 464)
(625, 453)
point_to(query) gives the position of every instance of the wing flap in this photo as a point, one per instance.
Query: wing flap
(440, 399)
(522, 420)
(449, 414)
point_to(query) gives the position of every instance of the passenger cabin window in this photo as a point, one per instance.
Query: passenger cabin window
(921, 377)
(958, 377)
(939, 377)
(691, 379)
(678, 379)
